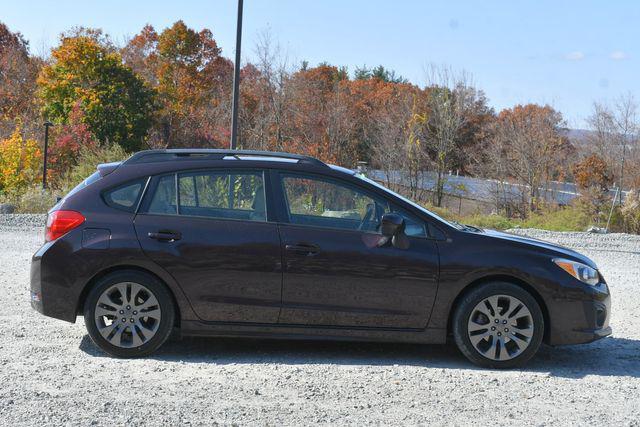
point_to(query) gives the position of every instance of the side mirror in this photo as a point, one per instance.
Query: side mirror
(393, 228)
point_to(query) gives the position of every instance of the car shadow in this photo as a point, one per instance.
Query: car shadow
(608, 357)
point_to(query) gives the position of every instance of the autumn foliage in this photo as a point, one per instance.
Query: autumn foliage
(592, 172)
(85, 70)
(171, 87)
(20, 160)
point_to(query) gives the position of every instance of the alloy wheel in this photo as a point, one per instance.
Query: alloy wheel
(500, 327)
(127, 314)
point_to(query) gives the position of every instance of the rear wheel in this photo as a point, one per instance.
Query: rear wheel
(498, 325)
(129, 314)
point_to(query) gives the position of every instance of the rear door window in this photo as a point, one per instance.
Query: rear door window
(215, 194)
(223, 194)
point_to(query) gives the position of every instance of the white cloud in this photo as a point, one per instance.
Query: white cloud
(575, 56)
(618, 55)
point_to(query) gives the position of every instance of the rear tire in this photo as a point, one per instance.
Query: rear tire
(129, 314)
(498, 325)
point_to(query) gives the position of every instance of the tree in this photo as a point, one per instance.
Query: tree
(18, 71)
(593, 179)
(614, 137)
(389, 134)
(86, 71)
(380, 73)
(318, 114)
(449, 97)
(192, 80)
(265, 115)
(533, 146)
(592, 172)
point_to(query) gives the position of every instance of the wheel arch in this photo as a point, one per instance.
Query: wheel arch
(91, 283)
(508, 279)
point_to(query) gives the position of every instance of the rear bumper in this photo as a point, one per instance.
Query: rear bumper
(581, 321)
(50, 293)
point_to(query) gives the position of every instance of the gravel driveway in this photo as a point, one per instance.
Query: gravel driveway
(51, 373)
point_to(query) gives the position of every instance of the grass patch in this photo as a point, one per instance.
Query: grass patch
(568, 218)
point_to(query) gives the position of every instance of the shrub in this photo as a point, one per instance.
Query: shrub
(20, 162)
(494, 222)
(69, 141)
(570, 218)
(35, 200)
(87, 161)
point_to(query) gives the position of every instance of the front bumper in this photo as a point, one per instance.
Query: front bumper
(581, 320)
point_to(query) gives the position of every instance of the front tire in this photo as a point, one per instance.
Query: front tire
(498, 325)
(129, 314)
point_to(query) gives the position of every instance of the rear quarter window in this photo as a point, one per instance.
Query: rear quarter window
(125, 197)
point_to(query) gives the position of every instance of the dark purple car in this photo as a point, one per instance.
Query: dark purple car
(261, 244)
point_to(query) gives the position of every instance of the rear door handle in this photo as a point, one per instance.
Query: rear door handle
(165, 236)
(306, 249)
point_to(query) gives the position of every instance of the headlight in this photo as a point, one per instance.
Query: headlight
(582, 272)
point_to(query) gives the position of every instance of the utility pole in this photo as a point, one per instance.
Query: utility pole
(47, 125)
(624, 153)
(236, 82)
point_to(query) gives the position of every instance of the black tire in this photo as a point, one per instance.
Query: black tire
(162, 330)
(468, 304)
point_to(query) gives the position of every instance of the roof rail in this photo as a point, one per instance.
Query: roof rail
(152, 156)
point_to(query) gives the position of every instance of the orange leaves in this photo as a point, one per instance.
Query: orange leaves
(184, 67)
(592, 172)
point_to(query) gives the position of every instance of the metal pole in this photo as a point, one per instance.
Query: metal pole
(236, 81)
(615, 197)
(624, 151)
(47, 124)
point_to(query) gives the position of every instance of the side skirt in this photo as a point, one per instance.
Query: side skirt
(253, 330)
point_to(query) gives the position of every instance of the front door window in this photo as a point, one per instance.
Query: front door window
(325, 203)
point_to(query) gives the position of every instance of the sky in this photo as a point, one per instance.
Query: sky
(567, 54)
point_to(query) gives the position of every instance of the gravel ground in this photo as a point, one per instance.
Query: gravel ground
(51, 373)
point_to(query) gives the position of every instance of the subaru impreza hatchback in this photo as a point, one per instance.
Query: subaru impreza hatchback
(262, 244)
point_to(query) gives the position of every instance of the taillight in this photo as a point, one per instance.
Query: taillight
(60, 223)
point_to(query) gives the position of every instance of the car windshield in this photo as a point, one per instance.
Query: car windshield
(453, 224)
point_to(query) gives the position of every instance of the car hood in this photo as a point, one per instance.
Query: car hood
(561, 251)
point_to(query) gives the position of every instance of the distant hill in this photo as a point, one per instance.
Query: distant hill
(578, 136)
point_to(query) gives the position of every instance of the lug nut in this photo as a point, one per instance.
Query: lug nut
(128, 307)
(506, 329)
(499, 334)
(135, 312)
(497, 321)
(493, 328)
(124, 320)
(504, 321)
(121, 311)
(131, 320)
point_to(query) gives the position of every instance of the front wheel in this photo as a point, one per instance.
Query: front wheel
(498, 325)
(129, 314)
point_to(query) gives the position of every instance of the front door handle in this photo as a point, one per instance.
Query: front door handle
(306, 249)
(165, 236)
